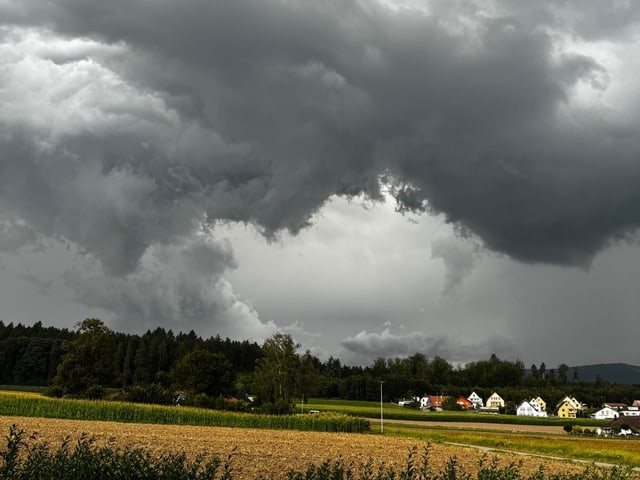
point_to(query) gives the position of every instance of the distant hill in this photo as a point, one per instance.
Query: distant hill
(609, 372)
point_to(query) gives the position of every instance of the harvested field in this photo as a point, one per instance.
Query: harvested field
(264, 452)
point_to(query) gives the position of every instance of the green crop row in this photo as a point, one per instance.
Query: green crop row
(32, 405)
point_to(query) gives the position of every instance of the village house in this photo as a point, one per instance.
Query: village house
(605, 413)
(476, 400)
(495, 401)
(464, 403)
(568, 407)
(530, 409)
(542, 403)
(436, 401)
(534, 403)
(630, 412)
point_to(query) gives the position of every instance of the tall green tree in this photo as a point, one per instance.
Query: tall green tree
(277, 375)
(89, 358)
(201, 371)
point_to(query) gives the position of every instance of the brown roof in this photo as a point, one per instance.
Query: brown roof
(633, 422)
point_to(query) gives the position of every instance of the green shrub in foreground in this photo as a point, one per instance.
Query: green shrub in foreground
(21, 459)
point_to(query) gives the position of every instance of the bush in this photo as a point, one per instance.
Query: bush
(153, 393)
(54, 391)
(279, 407)
(94, 392)
(23, 461)
(568, 428)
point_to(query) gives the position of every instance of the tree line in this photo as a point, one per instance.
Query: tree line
(92, 359)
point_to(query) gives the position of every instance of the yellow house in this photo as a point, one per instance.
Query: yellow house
(494, 401)
(566, 410)
(542, 403)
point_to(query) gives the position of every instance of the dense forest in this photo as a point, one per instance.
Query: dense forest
(94, 358)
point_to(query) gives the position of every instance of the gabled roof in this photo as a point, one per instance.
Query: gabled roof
(572, 401)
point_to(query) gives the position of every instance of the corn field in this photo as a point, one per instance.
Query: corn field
(34, 405)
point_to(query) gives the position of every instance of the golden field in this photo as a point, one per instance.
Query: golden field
(258, 452)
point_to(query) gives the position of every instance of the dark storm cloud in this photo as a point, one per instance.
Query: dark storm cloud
(129, 125)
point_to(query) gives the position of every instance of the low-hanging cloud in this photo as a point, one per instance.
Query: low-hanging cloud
(125, 134)
(365, 347)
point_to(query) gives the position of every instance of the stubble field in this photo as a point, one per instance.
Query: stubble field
(266, 453)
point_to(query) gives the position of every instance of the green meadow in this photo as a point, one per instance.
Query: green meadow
(396, 412)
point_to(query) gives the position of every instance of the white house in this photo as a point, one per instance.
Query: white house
(495, 401)
(536, 406)
(605, 413)
(631, 412)
(526, 409)
(476, 400)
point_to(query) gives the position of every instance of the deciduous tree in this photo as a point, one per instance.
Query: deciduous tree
(89, 358)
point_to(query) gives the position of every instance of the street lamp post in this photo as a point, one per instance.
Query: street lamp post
(381, 409)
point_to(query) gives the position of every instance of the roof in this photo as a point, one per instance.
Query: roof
(631, 421)
(436, 400)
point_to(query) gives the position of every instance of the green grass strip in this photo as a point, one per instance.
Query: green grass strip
(395, 412)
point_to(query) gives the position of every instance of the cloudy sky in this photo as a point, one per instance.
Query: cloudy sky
(377, 178)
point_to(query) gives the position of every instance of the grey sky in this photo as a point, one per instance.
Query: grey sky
(231, 167)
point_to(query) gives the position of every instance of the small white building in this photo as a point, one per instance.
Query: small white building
(630, 412)
(605, 413)
(527, 409)
(476, 400)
